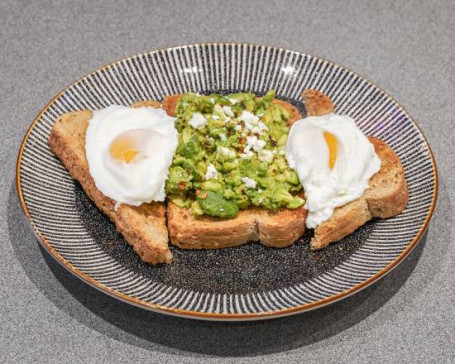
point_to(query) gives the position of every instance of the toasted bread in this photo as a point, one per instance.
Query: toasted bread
(317, 103)
(170, 103)
(272, 228)
(143, 227)
(276, 229)
(386, 196)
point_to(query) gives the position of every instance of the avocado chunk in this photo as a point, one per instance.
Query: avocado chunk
(191, 148)
(179, 181)
(180, 200)
(214, 204)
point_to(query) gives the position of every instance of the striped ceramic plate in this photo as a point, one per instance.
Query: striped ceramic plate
(248, 282)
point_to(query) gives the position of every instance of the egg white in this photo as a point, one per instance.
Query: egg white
(308, 153)
(139, 181)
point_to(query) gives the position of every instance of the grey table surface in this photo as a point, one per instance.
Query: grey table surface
(406, 47)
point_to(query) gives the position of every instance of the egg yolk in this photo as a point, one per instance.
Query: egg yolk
(332, 144)
(123, 148)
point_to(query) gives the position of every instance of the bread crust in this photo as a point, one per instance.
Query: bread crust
(275, 229)
(388, 192)
(344, 221)
(317, 103)
(170, 103)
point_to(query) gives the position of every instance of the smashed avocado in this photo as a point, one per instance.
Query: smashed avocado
(231, 155)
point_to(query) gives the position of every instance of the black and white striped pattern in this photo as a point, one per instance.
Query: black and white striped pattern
(49, 194)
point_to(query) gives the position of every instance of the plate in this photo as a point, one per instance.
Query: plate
(242, 283)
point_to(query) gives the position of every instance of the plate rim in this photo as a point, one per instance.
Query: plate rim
(210, 315)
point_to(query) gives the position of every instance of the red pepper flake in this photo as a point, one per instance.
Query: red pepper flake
(204, 196)
(182, 185)
(198, 192)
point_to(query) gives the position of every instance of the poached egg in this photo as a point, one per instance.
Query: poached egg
(334, 161)
(129, 151)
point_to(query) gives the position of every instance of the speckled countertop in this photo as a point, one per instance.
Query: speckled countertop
(406, 47)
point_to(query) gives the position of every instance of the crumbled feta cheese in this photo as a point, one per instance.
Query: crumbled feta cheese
(249, 182)
(227, 120)
(211, 172)
(233, 101)
(198, 121)
(259, 145)
(252, 122)
(252, 142)
(226, 152)
(259, 128)
(249, 119)
(238, 127)
(246, 155)
(222, 137)
(265, 156)
(212, 100)
(218, 110)
(228, 111)
(215, 117)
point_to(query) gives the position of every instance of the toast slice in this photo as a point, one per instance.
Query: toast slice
(387, 195)
(143, 227)
(276, 229)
